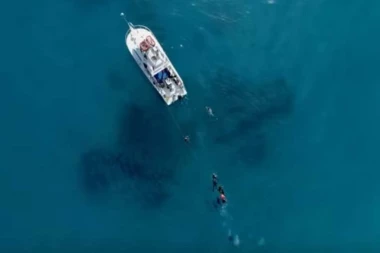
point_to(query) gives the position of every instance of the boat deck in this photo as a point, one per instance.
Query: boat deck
(170, 86)
(171, 94)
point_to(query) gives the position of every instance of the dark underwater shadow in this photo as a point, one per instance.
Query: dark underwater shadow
(148, 154)
(269, 101)
(247, 110)
(103, 170)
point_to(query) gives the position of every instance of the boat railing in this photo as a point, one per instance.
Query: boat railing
(132, 26)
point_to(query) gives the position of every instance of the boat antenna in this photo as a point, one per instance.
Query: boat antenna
(125, 19)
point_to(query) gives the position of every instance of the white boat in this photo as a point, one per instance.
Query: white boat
(153, 61)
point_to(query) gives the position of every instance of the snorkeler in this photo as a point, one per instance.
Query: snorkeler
(209, 111)
(221, 199)
(220, 189)
(214, 181)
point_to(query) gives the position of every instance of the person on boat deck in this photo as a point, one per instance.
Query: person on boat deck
(214, 181)
(187, 139)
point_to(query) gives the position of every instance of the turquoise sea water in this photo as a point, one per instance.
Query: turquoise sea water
(92, 161)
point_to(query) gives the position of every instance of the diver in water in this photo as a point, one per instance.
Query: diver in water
(214, 181)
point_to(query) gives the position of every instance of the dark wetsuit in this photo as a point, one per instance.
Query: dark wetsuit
(220, 189)
(214, 182)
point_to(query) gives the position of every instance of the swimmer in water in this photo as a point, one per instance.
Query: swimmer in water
(220, 189)
(187, 139)
(214, 181)
(209, 111)
(221, 200)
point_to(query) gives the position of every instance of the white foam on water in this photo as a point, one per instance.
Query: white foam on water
(261, 242)
(236, 240)
(223, 210)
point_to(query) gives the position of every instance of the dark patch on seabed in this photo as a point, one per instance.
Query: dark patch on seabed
(247, 110)
(144, 162)
(147, 154)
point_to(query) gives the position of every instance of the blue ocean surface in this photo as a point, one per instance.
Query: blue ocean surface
(92, 160)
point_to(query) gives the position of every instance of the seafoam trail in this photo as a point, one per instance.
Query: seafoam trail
(227, 220)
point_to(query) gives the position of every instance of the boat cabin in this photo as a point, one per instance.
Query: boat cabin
(154, 60)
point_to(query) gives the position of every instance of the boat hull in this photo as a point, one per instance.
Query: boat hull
(133, 47)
